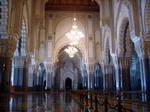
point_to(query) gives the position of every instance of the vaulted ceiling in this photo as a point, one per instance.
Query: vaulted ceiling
(72, 5)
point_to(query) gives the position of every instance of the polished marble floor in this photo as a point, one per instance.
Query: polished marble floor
(53, 102)
(39, 102)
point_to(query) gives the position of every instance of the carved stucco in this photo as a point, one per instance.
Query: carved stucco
(125, 5)
(147, 18)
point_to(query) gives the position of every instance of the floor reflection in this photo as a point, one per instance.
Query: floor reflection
(39, 102)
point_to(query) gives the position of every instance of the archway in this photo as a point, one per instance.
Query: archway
(68, 84)
(68, 67)
(125, 52)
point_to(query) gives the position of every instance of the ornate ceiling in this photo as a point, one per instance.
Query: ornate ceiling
(72, 5)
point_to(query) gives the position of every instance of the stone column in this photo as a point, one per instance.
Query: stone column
(7, 63)
(142, 47)
(49, 78)
(117, 79)
(26, 74)
(108, 69)
(91, 76)
(124, 72)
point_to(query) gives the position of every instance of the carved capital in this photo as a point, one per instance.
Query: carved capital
(108, 69)
(91, 67)
(12, 41)
(139, 47)
(147, 47)
(3, 47)
(16, 17)
(8, 46)
(124, 62)
(142, 47)
(49, 67)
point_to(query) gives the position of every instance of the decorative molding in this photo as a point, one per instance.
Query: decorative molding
(147, 18)
(125, 43)
(139, 47)
(147, 46)
(129, 6)
(12, 42)
(4, 19)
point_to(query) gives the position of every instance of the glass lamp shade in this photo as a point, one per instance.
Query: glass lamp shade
(71, 50)
(74, 35)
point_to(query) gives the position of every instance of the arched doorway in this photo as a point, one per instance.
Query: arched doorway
(68, 84)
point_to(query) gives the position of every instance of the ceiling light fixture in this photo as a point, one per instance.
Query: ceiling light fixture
(71, 50)
(74, 34)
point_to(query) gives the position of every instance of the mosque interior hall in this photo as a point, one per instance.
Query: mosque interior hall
(75, 55)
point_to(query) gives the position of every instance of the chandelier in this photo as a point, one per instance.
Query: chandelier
(74, 35)
(71, 50)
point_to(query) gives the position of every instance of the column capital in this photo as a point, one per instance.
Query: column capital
(147, 46)
(142, 47)
(108, 69)
(90, 67)
(12, 41)
(124, 62)
(49, 67)
(8, 46)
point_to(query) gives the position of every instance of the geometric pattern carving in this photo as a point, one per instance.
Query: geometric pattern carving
(147, 13)
(23, 39)
(21, 45)
(108, 58)
(125, 43)
(3, 18)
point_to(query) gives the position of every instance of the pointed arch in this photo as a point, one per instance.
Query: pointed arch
(125, 47)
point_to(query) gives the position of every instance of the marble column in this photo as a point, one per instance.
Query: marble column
(5, 74)
(26, 75)
(145, 76)
(142, 47)
(92, 81)
(89, 78)
(49, 75)
(117, 79)
(6, 66)
(124, 72)
(108, 76)
(91, 75)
